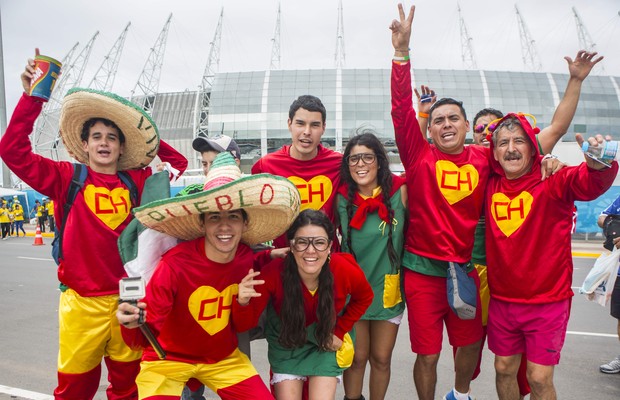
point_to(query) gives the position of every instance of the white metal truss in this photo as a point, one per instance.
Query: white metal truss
(531, 60)
(467, 50)
(275, 45)
(104, 77)
(145, 91)
(203, 100)
(339, 56)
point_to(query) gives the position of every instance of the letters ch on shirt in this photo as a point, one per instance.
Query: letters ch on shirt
(211, 308)
(456, 183)
(509, 214)
(111, 206)
(314, 193)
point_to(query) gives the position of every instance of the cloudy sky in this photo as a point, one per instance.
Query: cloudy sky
(308, 34)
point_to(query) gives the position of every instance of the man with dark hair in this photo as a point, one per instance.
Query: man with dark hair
(90, 266)
(314, 169)
(453, 177)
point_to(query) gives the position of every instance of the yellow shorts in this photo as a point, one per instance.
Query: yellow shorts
(89, 331)
(485, 295)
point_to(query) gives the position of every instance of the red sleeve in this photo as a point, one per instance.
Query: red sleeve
(582, 183)
(42, 174)
(246, 317)
(351, 278)
(257, 168)
(262, 258)
(159, 297)
(169, 154)
(409, 138)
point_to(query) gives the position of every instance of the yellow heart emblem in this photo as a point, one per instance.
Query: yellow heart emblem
(508, 214)
(455, 183)
(211, 308)
(111, 207)
(313, 193)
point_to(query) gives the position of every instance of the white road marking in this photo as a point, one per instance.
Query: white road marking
(36, 259)
(609, 335)
(26, 394)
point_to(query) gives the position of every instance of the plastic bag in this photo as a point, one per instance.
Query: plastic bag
(600, 281)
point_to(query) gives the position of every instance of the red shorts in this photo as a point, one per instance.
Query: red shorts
(537, 330)
(428, 309)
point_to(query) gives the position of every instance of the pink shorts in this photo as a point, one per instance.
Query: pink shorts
(428, 309)
(538, 330)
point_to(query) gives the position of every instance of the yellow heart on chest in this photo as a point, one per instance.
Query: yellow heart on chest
(211, 308)
(455, 183)
(508, 214)
(314, 193)
(111, 206)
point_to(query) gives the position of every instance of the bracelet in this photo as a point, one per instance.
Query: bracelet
(423, 115)
(405, 58)
(403, 51)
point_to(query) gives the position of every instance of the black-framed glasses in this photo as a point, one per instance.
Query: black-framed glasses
(367, 158)
(301, 243)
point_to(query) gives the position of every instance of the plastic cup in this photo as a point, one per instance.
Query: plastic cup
(46, 71)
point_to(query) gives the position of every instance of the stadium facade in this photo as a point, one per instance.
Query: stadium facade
(252, 107)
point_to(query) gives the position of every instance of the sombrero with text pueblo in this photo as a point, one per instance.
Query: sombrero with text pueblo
(140, 131)
(271, 202)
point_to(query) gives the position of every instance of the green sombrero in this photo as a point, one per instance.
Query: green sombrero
(141, 133)
(271, 202)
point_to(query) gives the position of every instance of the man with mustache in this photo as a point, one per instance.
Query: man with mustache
(531, 294)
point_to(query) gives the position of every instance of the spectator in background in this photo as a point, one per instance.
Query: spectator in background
(613, 367)
(49, 206)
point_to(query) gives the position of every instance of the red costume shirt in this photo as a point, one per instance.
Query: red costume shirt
(317, 180)
(528, 230)
(350, 285)
(102, 209)
(445, 191)
(190, 305)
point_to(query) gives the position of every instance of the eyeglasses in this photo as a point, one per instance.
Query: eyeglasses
(301, 243)
(367, 158)
(480, 128)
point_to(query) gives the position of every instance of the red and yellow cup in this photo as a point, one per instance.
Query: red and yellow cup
(46, 71)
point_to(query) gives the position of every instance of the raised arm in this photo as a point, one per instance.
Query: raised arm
(578, 69)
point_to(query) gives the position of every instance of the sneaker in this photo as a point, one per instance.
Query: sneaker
(612, 367)
(450, 396)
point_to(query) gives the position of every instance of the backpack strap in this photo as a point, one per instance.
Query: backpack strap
(80, 172)
(131, 185)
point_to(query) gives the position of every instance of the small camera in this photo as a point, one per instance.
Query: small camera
(425, 98)
(131, 289)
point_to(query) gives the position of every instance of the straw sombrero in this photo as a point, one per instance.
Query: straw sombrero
(140, 131)
(271, 202)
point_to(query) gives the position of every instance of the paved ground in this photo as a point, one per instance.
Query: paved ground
(28, 342)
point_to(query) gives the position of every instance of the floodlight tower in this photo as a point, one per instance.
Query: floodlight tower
(47, 136)
(528, 47)
(148, 82)
(467, 50)
(104, 77)
(339, 56)
(275, 47)
(203, 100)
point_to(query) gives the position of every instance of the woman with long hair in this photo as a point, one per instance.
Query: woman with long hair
(371, 206)
(313, 299)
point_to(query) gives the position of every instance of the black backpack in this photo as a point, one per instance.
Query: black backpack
(80, 172)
